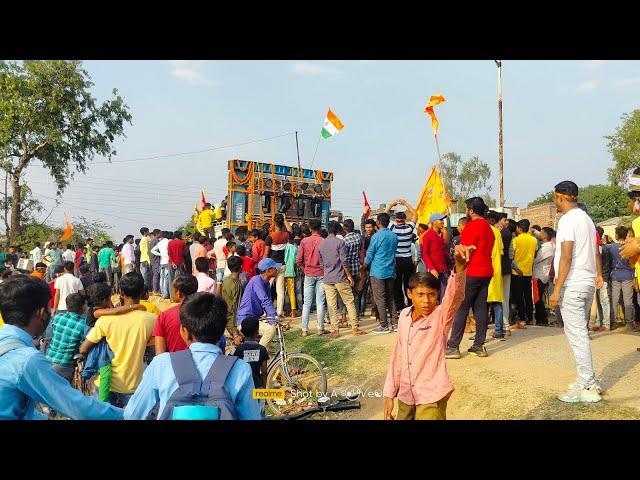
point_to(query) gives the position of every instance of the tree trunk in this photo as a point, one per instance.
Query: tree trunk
(15, 208)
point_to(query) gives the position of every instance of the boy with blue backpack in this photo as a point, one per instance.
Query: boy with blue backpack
(199, 383)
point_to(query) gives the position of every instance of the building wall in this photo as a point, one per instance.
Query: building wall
(544, 215)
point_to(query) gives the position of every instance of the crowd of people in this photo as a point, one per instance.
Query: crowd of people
(420, 280)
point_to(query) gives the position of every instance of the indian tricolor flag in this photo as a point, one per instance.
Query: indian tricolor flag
(332, 125)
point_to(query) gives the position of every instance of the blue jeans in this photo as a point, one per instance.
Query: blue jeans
(219, 275)
(145, 271)
(165, 280)
(497, 313)
(155, 277)
(313, 286)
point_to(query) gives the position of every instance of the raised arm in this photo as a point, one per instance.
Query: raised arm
(412, 214)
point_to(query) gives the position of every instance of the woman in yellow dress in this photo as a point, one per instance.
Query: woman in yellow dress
(494, 297)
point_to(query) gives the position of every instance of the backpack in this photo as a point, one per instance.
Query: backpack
(197, 399)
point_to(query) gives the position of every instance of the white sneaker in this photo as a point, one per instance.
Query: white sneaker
(578, 394)
(597, 386)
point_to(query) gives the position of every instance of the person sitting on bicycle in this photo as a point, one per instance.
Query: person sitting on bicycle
(26, 376)
(252, 352)
(68, 331)
(256, 299)
(417, 374)
(203, 319)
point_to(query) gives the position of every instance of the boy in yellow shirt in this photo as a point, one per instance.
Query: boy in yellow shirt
(525, 247)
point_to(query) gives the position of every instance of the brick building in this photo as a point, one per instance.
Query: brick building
(544, 215)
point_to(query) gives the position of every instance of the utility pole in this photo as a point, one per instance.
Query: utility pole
(500, 157)
(298, 151)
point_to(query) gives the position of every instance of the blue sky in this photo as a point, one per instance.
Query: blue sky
(556, 114)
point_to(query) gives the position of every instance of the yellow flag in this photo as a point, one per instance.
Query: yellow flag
(433, 198)
(433, 101)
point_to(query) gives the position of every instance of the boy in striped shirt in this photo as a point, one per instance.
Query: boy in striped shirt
(403, 228)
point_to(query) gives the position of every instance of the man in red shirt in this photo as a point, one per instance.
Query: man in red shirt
(477, 233)
(167, 329)
(77, 261)
(177, 250)
(434, 251)
(258, 250)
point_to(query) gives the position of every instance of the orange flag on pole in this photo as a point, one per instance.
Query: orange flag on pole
(203, 199)
(433, 101)
(68, 230)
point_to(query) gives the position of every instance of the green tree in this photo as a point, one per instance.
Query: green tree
(542, 199)
(602, 201)
(29, 207)
(624, 146)
(465, 179)
(47, 113)
(84, 228)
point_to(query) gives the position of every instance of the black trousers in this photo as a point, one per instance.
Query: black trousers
(475, 297)
(522, 296)
(404, 269)
(541, 311)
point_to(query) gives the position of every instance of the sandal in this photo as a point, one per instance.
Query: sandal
(357, 331)
(305, 334)
(334, 334)
(343, 325)
(323, 332)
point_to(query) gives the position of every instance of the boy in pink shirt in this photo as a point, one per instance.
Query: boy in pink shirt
(417, 375)
(205, 282)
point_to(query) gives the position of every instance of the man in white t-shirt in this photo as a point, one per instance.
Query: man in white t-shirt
(219, 250)
(36, 254)
(69, 255)
(129, 255)
(65, 285)
(161, 250)
(578, 273)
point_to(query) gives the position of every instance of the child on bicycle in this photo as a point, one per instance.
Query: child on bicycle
(417, 375)
(252, 352)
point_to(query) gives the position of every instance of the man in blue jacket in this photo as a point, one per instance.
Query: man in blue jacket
(381, 262)
(26, 376)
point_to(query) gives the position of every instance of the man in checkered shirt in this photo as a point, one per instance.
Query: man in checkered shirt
(68, 331)
(353, 242)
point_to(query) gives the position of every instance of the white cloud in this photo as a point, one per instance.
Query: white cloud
(587, 86)
(625, 82)
(306, 68)
(593, 64)
(189, 71)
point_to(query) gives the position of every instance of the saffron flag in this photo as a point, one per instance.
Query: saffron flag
(203, 199)
(433, 198)
(433, 101)
(332, 125)
(366, 203)
(68, 230)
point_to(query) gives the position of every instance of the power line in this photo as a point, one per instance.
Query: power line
(170, 155)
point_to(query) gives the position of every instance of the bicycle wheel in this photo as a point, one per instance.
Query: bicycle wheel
(309, 382)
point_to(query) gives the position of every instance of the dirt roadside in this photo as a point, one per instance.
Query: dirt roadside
(519, 380)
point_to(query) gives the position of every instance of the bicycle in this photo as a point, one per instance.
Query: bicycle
(78, 381)
(324, 405)
(300, 375)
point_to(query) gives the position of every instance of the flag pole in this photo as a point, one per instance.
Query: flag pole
(448, 222)
(316, 150)
(500, 158)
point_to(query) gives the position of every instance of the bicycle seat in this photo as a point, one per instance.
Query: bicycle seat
(78, 357)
